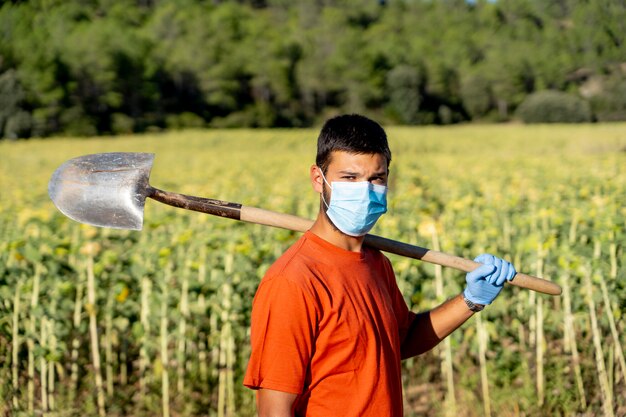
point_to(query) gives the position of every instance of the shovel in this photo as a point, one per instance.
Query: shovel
(110, 190)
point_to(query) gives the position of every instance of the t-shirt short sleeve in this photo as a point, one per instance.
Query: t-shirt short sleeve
(282, 335)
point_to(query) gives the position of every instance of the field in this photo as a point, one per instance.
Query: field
(101, 321)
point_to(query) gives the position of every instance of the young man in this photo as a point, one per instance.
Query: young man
(329, 324)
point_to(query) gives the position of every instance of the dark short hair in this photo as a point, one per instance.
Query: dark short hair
(351, 133)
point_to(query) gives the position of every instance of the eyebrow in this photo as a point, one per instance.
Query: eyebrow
(379, 173)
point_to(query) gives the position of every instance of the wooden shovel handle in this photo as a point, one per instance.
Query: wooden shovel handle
(286, 221)
(439, 258)
(271, 218)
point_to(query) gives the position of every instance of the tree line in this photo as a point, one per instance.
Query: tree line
(87, 67)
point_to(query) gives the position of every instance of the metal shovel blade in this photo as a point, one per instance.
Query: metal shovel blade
(106, 189)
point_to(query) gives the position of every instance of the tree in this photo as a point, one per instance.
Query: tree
(15, 122)
(554, 107)
(406, 85)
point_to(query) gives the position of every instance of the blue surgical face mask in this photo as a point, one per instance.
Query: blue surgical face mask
(355, 206)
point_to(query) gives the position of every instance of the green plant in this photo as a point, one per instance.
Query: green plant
(554, 107)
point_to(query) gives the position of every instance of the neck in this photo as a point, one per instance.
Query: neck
(327, 231)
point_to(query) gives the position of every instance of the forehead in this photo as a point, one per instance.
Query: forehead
(342, 160)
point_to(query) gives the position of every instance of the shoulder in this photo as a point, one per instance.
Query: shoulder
(289, 286)
(296, 266)
(382, 265)
(379, 259)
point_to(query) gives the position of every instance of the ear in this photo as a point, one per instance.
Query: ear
(317, 181)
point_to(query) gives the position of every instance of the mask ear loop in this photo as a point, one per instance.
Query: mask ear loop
(329, 186)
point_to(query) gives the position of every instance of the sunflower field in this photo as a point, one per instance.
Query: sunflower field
(156, 322)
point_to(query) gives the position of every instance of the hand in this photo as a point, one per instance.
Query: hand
(485, 282)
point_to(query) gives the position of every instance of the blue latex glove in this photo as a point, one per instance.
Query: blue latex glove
(485, 282)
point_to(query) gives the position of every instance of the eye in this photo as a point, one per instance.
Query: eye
(349, 177)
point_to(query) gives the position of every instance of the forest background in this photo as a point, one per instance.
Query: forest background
(87, 67)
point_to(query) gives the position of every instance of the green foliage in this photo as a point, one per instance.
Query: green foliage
(609, 105)
(18, 125)
(554, 107)
(14, 121)
(184, 120)
(476, 95)
(121, 124)
(405, 85)
(77, 67)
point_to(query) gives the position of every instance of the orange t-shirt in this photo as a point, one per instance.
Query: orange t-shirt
(328, 324)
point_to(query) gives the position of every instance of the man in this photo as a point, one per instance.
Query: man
(329, 324)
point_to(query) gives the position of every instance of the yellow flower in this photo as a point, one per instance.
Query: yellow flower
(89, 232)
(123, 294)
(429, 227)
(91, 248)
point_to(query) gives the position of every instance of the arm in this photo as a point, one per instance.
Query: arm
(272, 403)
(431, 327)
(483, 286)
